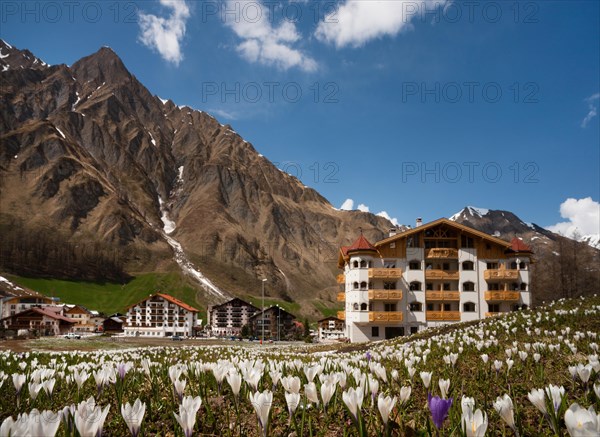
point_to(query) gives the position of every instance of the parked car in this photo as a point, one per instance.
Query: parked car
(71, 335)
(177, 338)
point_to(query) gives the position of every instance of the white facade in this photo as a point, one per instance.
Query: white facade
(160, 315)
(386, 297)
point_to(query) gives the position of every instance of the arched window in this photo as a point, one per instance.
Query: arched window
(523, 286)
(415, 286)
(513, 265)
(355, 307)
(363, 264)
(355, 285)
(355, 264)
(468, 265)
(363, 285)
(468, 286)
(414, 265)
(363, 307)
(469, 307)
(522, 265)
(415, 306)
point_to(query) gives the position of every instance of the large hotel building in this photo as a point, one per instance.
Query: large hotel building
(437, 273)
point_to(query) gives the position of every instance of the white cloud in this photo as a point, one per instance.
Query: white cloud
(224, 114)
(583, 216)
(593, 109)
(355, 23)
(165, 34)
(348, 205)
(362, 207)
(384, 214)
(263, 43)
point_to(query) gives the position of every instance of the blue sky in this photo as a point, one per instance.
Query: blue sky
(416, 108)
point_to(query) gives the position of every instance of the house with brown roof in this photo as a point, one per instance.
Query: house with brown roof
(331, 328)
(85, 320)
(228, 318)
(160, 315)
(46, 321)
(436, 273)
(15, 299)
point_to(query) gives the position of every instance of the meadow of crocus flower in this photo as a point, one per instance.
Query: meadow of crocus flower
(528, 373)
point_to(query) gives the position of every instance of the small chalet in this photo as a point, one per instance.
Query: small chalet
(278, 324)
(43, 320)
(331, 328)
(160, 315)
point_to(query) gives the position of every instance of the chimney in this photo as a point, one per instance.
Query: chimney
(392, 232)
(419, 222)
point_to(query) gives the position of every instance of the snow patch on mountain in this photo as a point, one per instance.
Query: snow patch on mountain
(470, 210)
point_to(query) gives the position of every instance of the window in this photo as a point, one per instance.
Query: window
(415, 286)
(488, 246)
(469, 307)
(523, 286)
(468, 265)
(355, 285)
(446, 266)
(389, 307)
(513, 265)
(414, 265)
(429, 286)
(492, 266)
(389, 264)
(522, 266)
(446, 307)
(363, 264)
(363, 307)
(392, 245)
(355, 306)
(355, 264)
(466, 242)
(468, 286)
(429, 307)
(415, 306)
(494, 308)
(389, 285)
(446, 286)
(414, 329)
(515, 286)
(493, 286)
(374, 331)
(363, 285)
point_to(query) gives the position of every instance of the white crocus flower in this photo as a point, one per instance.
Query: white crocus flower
(133, 416)
(426, 378)
(187, 414)
(262, 405)
(581, 422)
(504, 407)
(405, 394)
(474, 424)
(310, 390)
(538, 398)
(385, 406)
(353, 398)
(444, 387)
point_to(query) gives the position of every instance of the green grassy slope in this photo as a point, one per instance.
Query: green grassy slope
(112, 297)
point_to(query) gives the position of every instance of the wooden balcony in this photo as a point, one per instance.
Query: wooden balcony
(442, 295)
(500, 275)
(341, 297)
(492, 314)
(341, 315)
(385, 273)
(510, 296)
(442, 253)
(443, 275)
(341, 278)
(443, 316)
(385, 294)
(385, 316)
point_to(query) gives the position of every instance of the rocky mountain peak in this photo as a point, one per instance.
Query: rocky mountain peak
(104, 66)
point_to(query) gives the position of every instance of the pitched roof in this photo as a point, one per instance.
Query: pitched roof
(447, 222)
(330, 318)
(43, 312)
(169, 298)
(517, 245)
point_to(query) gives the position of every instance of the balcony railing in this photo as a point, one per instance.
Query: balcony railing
(502, 295)
(341, 315)
(341, 278)
(492, 314)
(442, 295)
(383, 273)
(385, 316)
(448, 316)
(442, 253)
(500, 275)
(442, 275)
(385, 294)
(341, 297)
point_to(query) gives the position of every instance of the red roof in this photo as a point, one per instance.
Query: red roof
(176, 301)
(45, 312)
(517, 245)
(361, 244)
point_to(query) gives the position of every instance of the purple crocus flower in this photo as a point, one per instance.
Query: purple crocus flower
(368, 356)
(439, 409)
